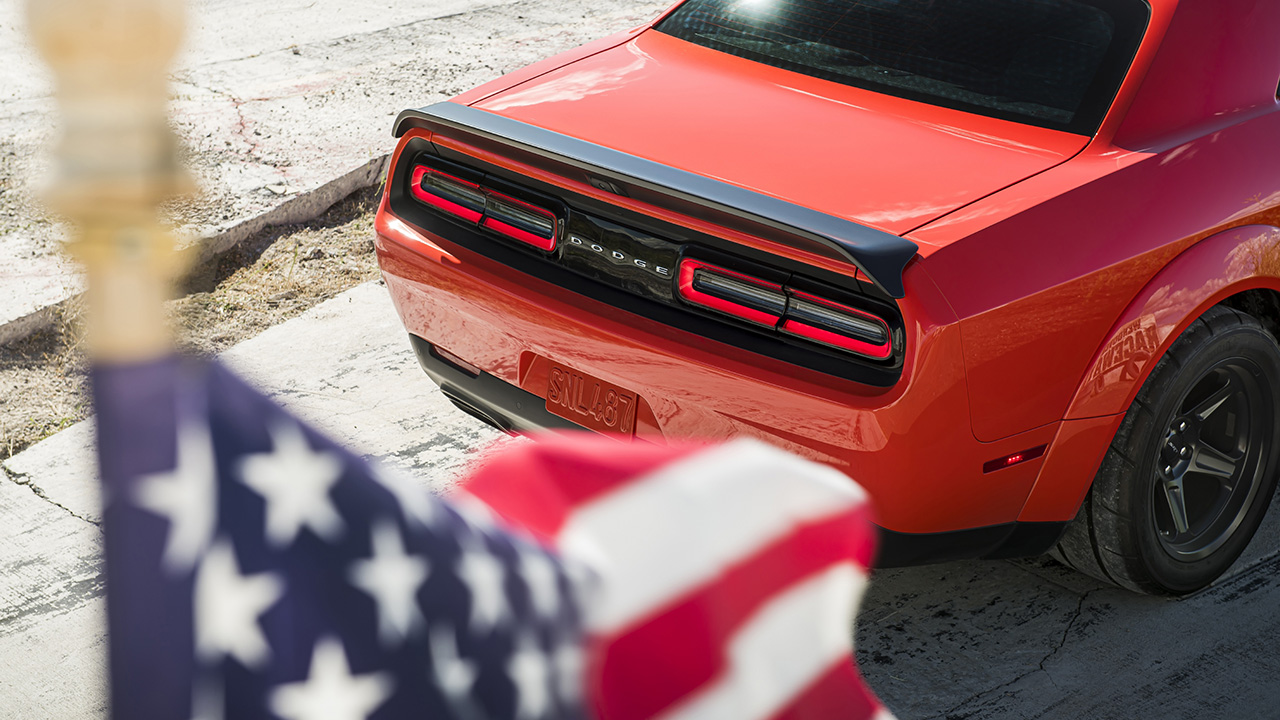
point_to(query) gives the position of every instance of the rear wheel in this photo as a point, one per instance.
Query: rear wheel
(1192, 468)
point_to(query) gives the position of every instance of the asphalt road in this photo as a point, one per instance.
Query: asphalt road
(993, 639)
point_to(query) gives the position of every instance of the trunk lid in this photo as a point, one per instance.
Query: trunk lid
(880, 161)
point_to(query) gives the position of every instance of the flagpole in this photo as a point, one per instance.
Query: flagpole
(116, 162)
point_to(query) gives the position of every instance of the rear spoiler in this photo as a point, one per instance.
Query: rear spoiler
(880, 255)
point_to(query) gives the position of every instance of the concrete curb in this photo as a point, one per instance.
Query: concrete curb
(300, 208)
(24, 327)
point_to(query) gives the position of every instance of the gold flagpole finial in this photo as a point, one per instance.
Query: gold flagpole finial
(117, 160)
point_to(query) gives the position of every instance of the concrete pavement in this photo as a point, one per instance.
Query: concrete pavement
(989, 639)
(358, 380)
(284, 109)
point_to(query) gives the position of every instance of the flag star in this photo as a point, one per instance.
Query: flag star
(295, 481)
(330, 691)
(570, 667)
(454, 675)
(416, 501)
(530, 672)
(227, 608)
(540, 576)
(392, 578)
(187, 496)
(483, 574)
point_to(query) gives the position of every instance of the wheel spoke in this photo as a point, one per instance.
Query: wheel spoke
(1209, 460)
(1210, 404)
(1177, 505)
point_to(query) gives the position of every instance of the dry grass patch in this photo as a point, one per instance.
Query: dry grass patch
(272, 277)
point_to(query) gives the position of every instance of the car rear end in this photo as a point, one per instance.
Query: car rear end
(617, 285)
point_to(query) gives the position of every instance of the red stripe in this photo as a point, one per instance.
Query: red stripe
(687, 269)
(840, 693)
(817, 334)
(538, 485)
(633, 685)
(524, 236)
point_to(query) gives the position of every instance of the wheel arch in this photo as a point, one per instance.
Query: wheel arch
(1239, 268)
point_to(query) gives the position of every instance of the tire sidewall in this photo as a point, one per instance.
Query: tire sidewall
(1164, 396)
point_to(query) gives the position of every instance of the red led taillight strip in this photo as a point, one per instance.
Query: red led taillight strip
(841, 326)
(490, 209)
(790, 311)
(439, 201)
(731, 293)
(504, 214)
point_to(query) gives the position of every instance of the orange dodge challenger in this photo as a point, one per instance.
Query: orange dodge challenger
(1013, 265)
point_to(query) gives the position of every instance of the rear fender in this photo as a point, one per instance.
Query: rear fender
(1223, 265)
(1226, 264)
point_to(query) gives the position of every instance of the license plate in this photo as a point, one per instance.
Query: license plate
(590, 401)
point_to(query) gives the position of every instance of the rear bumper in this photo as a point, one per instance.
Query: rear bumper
(510, 409)
(485, 397)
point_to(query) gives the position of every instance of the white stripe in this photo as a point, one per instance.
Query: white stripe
(659, 537)
(789, 643)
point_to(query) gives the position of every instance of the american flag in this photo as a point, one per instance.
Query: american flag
(256, 569)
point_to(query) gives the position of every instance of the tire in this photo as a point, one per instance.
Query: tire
(1191, 471)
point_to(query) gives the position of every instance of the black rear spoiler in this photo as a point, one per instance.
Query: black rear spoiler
(882, 256)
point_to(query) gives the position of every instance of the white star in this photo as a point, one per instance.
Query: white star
(483, 574)
(570, 666)
(228, 605)
(187, 496)
(330, 691)
(295, 480)
(392, 578)
(531, 674)
(540, 576)
(454, 675)
(416, 501)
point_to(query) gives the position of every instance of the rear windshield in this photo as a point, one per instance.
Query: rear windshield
(1052, 63)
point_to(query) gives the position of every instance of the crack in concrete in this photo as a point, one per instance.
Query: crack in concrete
(242, 129)
(24, 479)
(950, 714)
(243, 123)
(1065, 632)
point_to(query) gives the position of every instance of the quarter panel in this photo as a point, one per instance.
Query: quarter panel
(1039, 292)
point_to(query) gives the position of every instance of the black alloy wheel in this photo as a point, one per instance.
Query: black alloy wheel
(1192, 469)
(1207, 470)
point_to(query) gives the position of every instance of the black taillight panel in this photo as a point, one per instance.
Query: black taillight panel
(794, 306)
(727, 293)
(470, 196)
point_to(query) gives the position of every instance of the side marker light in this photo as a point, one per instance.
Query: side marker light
(1015, 459)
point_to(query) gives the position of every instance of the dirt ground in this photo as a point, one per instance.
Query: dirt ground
(274, 276)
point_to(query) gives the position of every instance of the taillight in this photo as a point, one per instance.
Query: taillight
(520, 220)
(837, 325)
(785, 309)
(490, 209)
(732, 293)
(448, 193)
